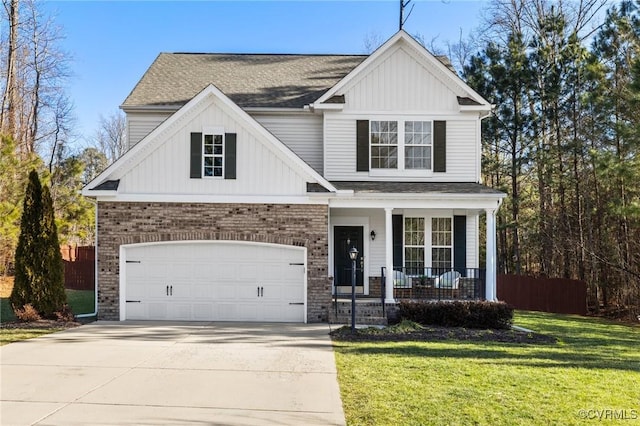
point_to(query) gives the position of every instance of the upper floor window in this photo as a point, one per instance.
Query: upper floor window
(417, 148)
(402, 145)
(384, 145)
(213, 155)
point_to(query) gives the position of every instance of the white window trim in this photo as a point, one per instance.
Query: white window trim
(428, 239)
(401, 151)
(433, 246)
(212, 131)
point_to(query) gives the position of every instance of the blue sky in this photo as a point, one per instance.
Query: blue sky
(112, 43)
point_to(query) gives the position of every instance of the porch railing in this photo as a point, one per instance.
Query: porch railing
(429, 283)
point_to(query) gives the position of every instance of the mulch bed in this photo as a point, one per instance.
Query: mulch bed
(40, 325)
(436, 333)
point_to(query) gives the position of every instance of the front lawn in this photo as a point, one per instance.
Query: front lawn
(80, 302)
(594, 367)
(9, 335)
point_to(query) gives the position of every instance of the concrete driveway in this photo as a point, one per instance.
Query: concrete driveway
(172, 373)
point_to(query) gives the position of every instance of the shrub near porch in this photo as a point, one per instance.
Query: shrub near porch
(594, 366)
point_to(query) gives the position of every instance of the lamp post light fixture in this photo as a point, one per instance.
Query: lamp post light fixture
(353, 255)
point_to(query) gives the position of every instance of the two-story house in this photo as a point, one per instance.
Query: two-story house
(249, 177)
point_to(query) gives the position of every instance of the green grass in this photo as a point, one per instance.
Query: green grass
(594, 366)
(80, 301)
(8, 335)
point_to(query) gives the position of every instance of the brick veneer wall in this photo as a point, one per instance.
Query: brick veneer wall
(129, 223)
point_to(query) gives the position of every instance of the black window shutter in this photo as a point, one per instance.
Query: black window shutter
(229, 155)
(196, 156)
(396, 226)
(439, 146)
(362, 145)
(460, 244)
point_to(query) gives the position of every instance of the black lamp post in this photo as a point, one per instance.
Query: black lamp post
(353, 255)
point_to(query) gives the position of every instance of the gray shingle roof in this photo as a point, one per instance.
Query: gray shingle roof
(416, 187)
(250, 80)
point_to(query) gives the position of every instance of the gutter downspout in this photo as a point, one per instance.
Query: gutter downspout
(95, 268)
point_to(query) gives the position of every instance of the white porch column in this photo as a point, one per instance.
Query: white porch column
(491, 255)
(388, 262)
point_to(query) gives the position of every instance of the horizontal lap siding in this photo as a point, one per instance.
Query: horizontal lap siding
(340, 140)
(140, 124)
(378, 246)
(472, 241)
(461, 151)
(302, 133)
(340, 133)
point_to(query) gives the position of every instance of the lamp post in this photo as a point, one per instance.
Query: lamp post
(353, 255)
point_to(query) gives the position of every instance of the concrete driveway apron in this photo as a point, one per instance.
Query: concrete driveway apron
(146, 373)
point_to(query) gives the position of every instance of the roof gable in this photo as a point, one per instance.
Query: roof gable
(197, 107)
(401, 39)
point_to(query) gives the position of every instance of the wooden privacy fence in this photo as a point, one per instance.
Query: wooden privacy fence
(556, 295)
(79, 267)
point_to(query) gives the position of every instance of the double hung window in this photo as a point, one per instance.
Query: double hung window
(213, 155)
(428, 245)
(384, 145)
(441, 243)
(401, 145)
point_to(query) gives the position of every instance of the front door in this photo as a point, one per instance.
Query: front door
(345, 237)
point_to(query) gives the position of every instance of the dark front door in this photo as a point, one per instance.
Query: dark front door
(345, 237)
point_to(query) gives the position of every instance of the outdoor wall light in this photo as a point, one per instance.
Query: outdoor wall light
(373, 235)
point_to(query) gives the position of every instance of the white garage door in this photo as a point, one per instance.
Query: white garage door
(214, 281)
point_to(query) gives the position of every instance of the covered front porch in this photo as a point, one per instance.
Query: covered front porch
(421, 244)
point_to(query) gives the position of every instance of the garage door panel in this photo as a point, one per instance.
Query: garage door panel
(203, 311)
(156, 311)
(215, 281)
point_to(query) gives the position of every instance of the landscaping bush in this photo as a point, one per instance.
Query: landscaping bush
(65, 314)
(27, 313)
(473, 314)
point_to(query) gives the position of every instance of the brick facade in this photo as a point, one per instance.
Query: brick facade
(130, 223)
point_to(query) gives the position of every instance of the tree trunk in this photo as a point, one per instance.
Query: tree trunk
(9, 97)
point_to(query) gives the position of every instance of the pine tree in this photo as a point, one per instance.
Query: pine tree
(53, 295)
(39, 274)
(28, 261)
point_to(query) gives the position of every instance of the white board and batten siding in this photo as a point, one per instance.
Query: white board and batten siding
(164, 167)
(397, 82)
(301, 132)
